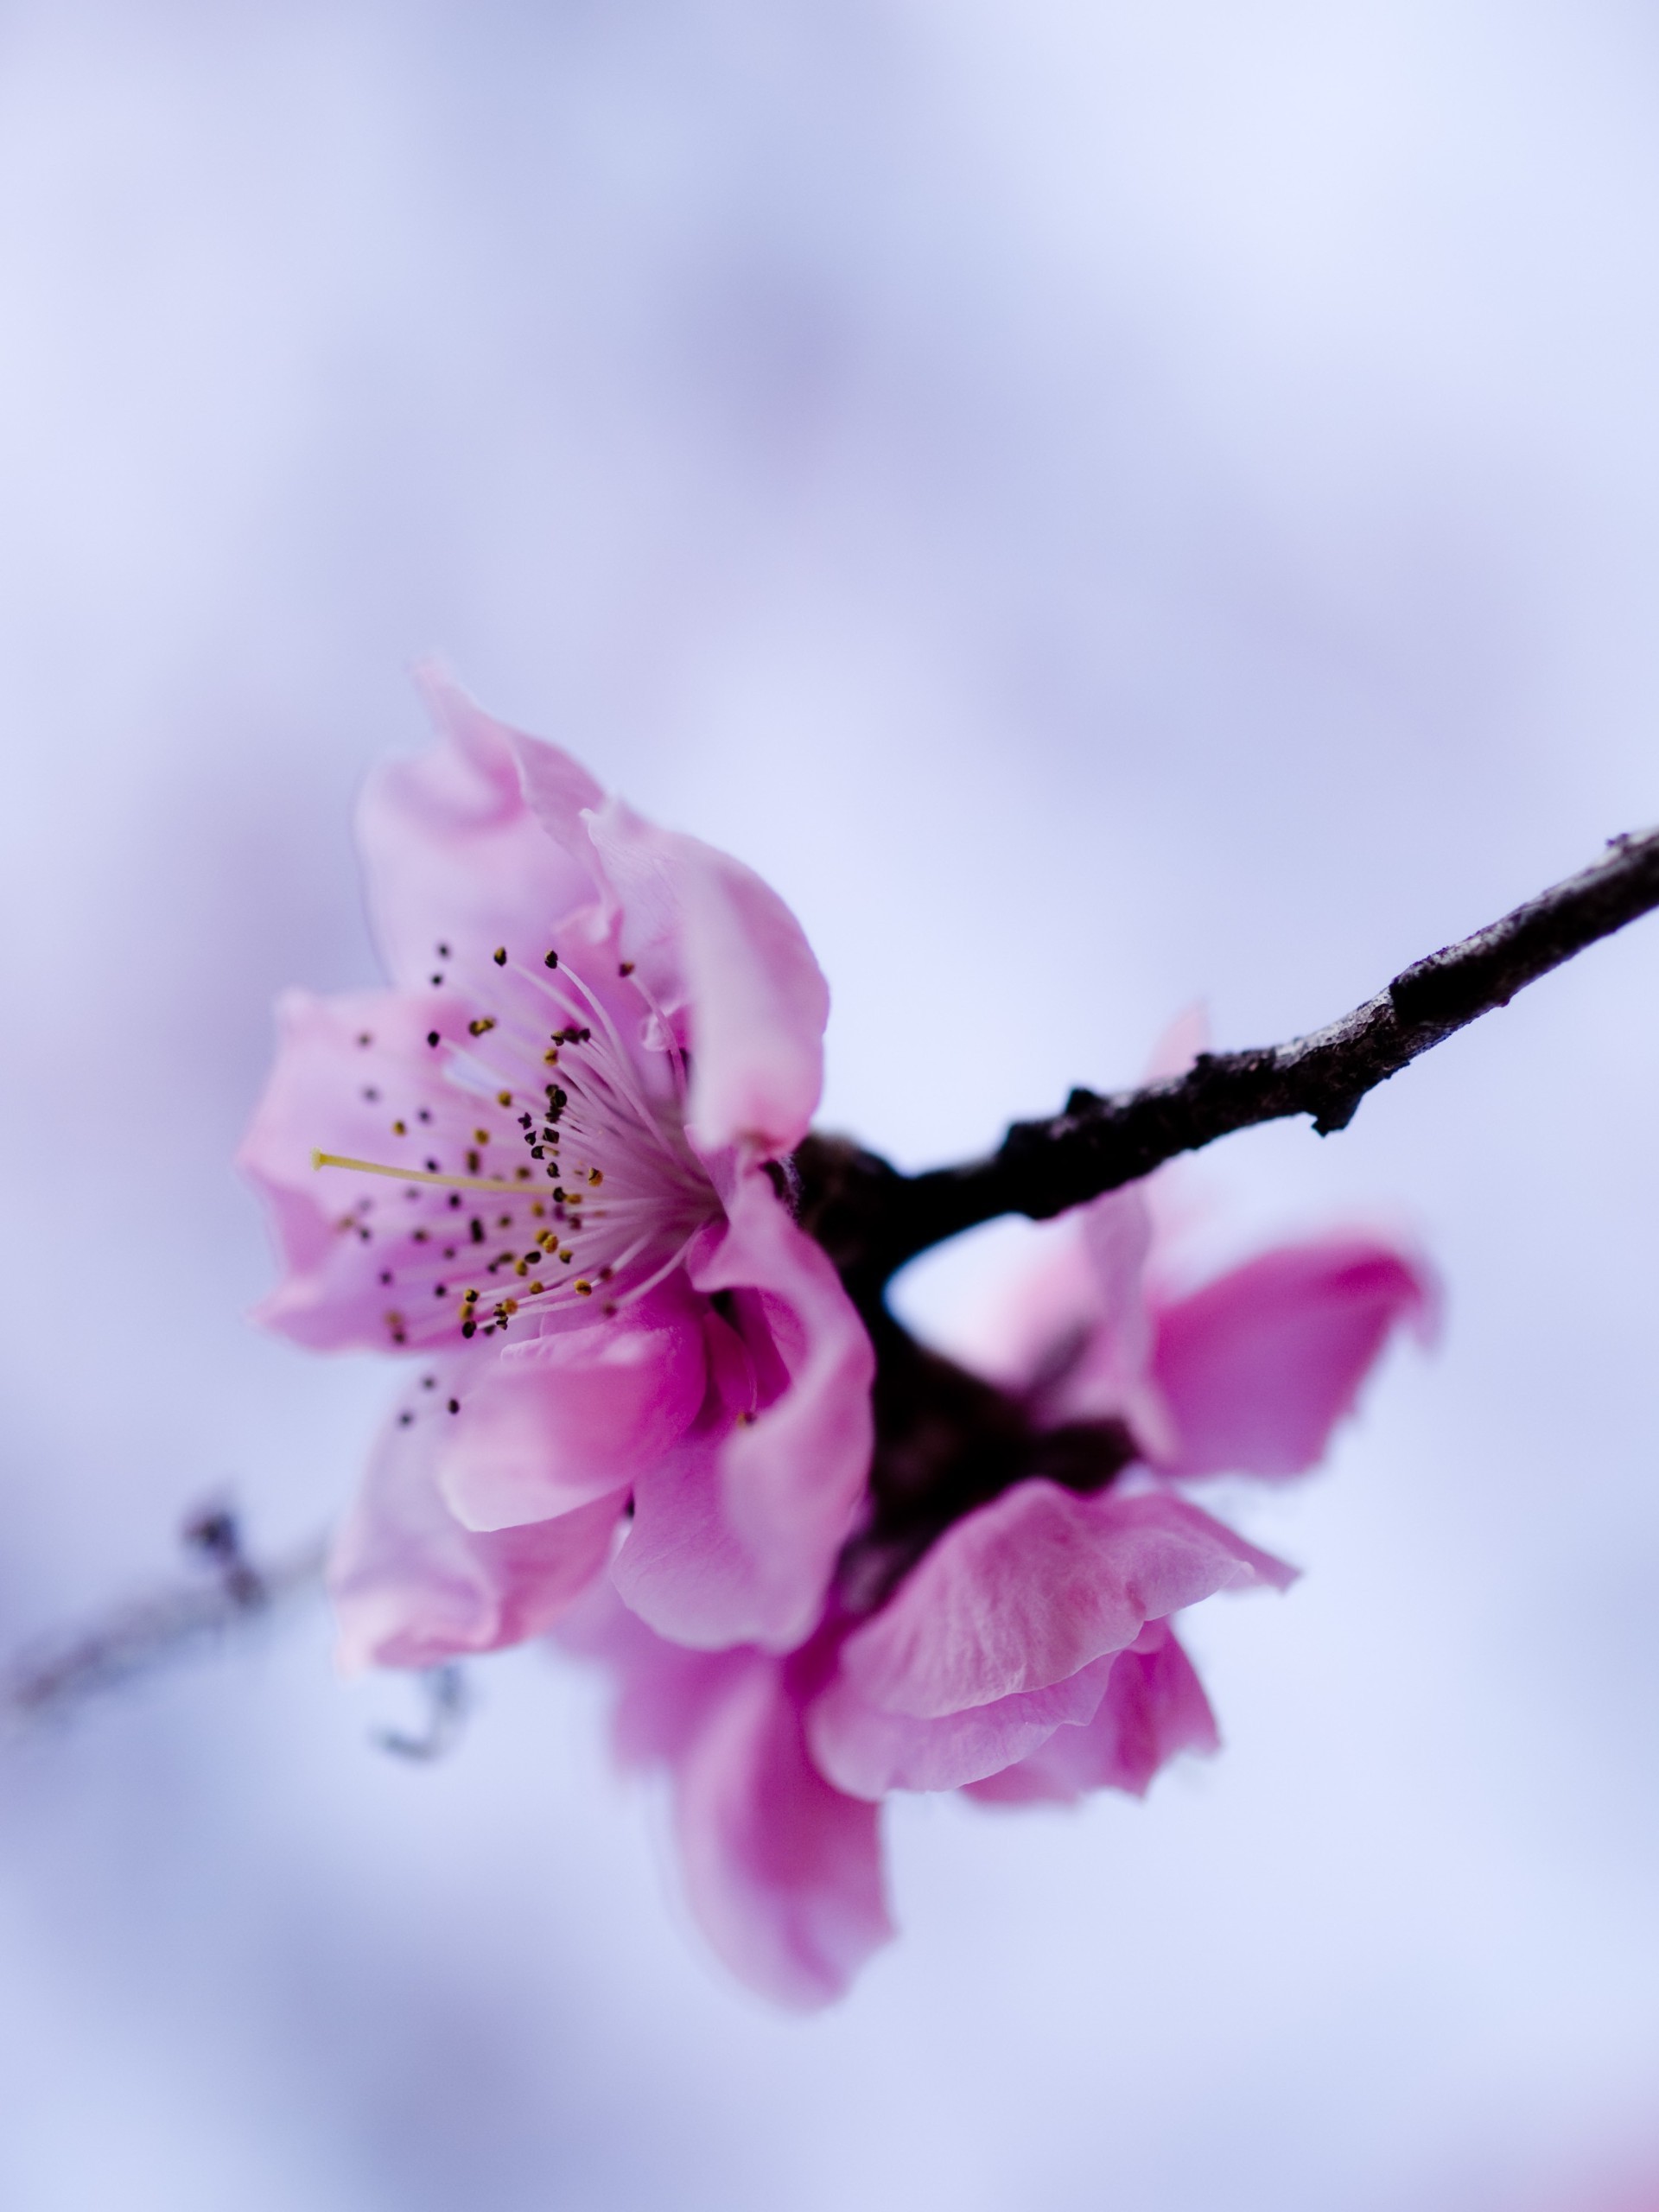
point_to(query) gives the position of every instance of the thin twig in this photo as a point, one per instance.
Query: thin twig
(872, 1220)
(61, 1673)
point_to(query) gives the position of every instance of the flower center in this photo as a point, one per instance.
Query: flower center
(569, 1145)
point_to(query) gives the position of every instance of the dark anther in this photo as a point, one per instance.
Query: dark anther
(455, 1405)
(626, 968)
(469, 1328)
(443, 952)
(403, 1420)
(431, 1036)
(552, 959)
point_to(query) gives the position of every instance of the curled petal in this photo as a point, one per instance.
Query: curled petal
(1153, 1706)
(735, 1540)
(452, 853)
(782, 1871)
(1029, 1589)
(572, 1416)
(866, 1751)
(731, 969)
(410, 1586)
(1258, 1367)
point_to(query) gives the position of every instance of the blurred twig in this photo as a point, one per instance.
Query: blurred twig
(447, 1705)
(872, 1220)
(61, 1673)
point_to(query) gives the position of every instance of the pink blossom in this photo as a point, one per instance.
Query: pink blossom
(1029, 1654)
(546, 1184)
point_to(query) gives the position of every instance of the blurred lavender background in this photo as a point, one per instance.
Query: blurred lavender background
(1104, 504)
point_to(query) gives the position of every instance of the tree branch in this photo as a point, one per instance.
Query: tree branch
(872, 1220)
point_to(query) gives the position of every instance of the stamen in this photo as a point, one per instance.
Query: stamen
(413, 1174)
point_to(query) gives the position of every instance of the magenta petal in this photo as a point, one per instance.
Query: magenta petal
(731, 968)
(1153, 1706)
(782, 1872)
(1027, 1591)
(410, 1586)
(567, 1417)
(451, 852)
(1258, 1367)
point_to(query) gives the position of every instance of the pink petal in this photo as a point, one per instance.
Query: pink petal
(1258, 1367)
(1179, 1045)
(866, 1751)
(451, 852)
(735, 1540)
(1029, 1589)
(664, 1693)
(681, 1568)
(571, 1416)
(1008, 1630)
(732, 971)
(316, 1098)
(1111, 1375)
(410, 1586)
(1153, 1706)
(782, 1872)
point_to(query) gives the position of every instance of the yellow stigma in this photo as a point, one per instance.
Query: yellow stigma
(417, 1174)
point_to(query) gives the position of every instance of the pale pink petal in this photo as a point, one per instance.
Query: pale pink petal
(732, 971)
(1179, 1045)
(680, 1568)
(452, 855)
(1111, 1375)
(571, 1415)
(1153, 1706)
(1029, 1589)
(866, 1751)
(664, 1693)
(410, 1586)
(1258, 1367)
(346, 1069)
(782, 1872)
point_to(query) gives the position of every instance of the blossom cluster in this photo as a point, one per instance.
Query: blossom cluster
(548, 1168)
